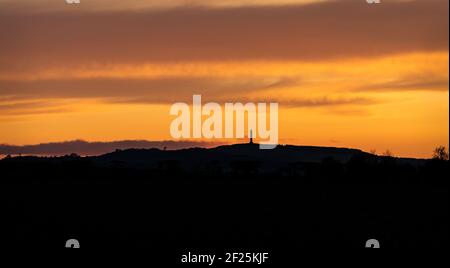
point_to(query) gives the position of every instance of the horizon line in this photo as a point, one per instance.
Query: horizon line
(93, 148)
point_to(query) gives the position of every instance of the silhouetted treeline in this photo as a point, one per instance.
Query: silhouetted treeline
(230, 197)
(323, 165)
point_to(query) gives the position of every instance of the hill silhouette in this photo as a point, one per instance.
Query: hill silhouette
(275, 160)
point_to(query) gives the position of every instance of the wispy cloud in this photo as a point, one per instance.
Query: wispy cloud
(24, 107)
(327, 101)
(409, 84)
(138, 90)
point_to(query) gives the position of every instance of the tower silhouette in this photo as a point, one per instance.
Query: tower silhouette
(251, 136)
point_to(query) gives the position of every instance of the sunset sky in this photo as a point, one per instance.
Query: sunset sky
(345, 73)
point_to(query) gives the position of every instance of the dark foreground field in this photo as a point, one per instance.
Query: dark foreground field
(167, 204)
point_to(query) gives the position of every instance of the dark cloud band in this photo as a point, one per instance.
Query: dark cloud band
(336, 29)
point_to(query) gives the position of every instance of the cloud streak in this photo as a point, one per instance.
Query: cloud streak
(55, 93)
(81, 147)
(150, 90)
(410, 84)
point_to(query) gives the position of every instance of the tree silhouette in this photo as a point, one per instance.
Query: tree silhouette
(440, 153)
(388, 153)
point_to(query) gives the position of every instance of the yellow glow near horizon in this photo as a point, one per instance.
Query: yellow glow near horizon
(406, 112)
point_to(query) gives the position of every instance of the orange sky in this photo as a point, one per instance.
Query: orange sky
(345, 73)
